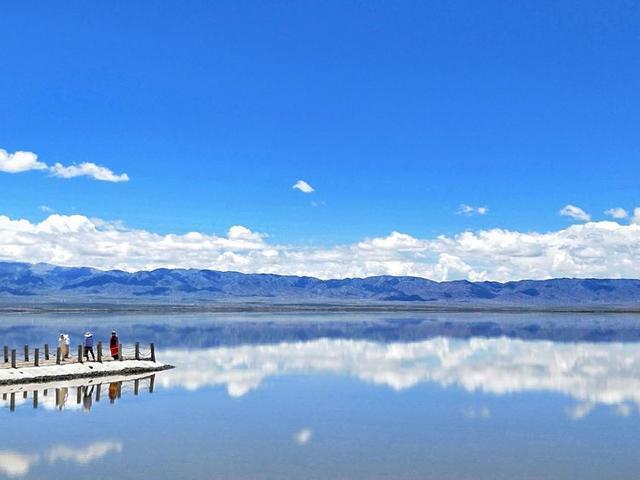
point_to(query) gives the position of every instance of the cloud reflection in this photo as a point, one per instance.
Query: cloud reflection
(591, 373)
(303, 436)
(18, 464)
(82, 456)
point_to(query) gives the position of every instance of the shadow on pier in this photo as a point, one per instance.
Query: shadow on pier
(79, 394)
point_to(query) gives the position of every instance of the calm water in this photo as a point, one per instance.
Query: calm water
(341, 397)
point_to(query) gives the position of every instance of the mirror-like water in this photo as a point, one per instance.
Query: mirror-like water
(333, 396)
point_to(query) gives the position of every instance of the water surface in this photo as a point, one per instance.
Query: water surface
(384, 396)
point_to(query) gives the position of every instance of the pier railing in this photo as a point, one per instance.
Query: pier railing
(36, 357)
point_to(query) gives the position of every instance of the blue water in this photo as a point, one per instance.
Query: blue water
(333, 396)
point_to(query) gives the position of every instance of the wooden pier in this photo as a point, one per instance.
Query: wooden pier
(41, 364)
(27, 356)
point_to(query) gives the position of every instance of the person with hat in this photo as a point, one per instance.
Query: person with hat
(114, 345)
(88, 346)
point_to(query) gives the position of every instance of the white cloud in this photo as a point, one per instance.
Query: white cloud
(88, 169)
(635, 219)
(575, 212)
(590, 373)
(617, 213)
(19, 162)
(303, 436)
(46, 209)
(303, 186)
(465, 209)
(24, 161)
(595, 249)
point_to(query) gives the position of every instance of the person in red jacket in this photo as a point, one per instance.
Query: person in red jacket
(114, 345)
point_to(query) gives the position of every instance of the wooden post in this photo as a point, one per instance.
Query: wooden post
(36, 357)
(13, 358)
(80, 359)
(12, 401)
(79, 395)
(99, 352)
(137, 350)
(136, 386)
(26, 353)
(152, 347)
(35, 399)
(4, 396)
(98, 392)
(6, 354)
(46, 351)
(45, 392)
(152, 382)
(120, 352)
(58, 355)
(24, 394)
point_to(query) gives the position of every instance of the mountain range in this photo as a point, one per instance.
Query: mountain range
(24, 284)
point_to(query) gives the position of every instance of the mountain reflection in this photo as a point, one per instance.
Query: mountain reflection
(590, 373)
(80, 394)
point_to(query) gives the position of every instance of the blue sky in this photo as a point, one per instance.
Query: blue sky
(395, 112)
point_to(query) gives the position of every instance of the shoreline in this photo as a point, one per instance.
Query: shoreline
(308, 308)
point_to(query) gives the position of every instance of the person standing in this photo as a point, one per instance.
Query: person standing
(88, 346)
(61, 346)
(114, 345)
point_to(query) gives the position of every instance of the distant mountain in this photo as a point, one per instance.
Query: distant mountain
(23, 284)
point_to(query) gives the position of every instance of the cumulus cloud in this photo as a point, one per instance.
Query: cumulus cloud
(617, 213)
(87, 169)
(465, 209)
(303, 186)
(575, 212)
(590, 373)
(636, 216)
(595, 249)
(20, 161)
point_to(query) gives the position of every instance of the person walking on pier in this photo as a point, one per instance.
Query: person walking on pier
(88, 346)
(114, 345)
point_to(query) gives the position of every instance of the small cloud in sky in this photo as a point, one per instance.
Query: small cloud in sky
(617, 213)
(303, 186)
(580, 410)
(303, 436)
(636, 215)
(21, 161)
(87, 169)
(317, 204)
(46, 209)
(465, 209)
(575, 212)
